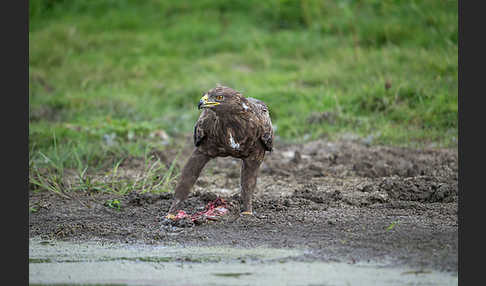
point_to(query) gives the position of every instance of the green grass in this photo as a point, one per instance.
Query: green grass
(126, 69)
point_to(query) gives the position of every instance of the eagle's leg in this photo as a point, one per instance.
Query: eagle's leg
(248, 180)
(189, 175)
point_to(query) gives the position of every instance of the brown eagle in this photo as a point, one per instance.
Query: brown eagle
(229, 125)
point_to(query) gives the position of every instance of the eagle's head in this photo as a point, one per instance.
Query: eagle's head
(222, 99)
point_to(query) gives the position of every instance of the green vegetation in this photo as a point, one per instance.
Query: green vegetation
(106, 75)
(392, 225)
(113, 204)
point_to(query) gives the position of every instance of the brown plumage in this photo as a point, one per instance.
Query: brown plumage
(229, 125)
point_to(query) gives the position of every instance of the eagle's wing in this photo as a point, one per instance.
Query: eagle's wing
(264, 115)
(199, 133)
(267, 137)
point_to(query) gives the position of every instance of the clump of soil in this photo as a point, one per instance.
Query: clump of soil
(424, 189)
(311, 193)
(344, 201)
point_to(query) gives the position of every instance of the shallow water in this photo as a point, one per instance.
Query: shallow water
(69, 263)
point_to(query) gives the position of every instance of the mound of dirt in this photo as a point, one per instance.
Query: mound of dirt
(310, 192)
(424, 189)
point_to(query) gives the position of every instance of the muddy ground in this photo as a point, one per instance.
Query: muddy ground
(343, 201)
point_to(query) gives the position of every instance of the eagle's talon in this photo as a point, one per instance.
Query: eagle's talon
(170, 216)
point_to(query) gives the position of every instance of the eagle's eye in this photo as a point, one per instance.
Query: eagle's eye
(219, 97)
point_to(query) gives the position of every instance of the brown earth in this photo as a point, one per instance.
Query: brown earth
(342, 201)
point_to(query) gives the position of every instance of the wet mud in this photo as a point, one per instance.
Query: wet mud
(344, 201)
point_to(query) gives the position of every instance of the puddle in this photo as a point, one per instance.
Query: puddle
(95, 263)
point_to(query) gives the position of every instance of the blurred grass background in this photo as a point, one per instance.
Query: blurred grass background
(106, 75)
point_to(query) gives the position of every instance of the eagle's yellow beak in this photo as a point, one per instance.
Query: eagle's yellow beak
(204, 102)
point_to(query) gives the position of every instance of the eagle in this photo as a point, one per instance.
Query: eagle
(229, 125)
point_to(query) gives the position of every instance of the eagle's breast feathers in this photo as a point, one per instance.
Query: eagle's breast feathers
(244, 127)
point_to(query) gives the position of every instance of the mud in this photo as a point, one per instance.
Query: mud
(345, 201)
